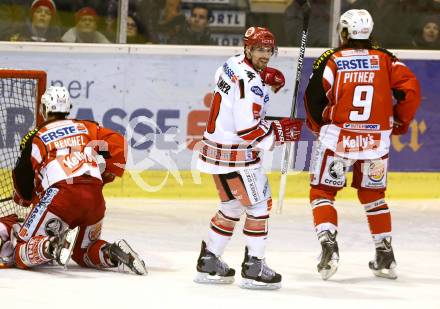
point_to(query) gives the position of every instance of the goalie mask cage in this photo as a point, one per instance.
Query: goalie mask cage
(20, 95)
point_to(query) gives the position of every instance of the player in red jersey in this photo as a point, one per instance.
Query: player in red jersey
(62, 169)
(350, 108)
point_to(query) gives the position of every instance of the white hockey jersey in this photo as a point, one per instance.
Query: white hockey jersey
(236, 131)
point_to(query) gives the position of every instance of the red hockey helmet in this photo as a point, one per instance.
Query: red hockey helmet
(259, 36)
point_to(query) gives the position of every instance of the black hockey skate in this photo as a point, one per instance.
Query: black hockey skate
(61, 246)
(257, 275)
(211, 268)
(384, 264)
(329, 258)
(121, 253)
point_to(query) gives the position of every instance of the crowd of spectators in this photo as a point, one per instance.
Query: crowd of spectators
(398, 23)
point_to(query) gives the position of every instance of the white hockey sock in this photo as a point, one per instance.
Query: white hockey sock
(256, 245)
(216, 243)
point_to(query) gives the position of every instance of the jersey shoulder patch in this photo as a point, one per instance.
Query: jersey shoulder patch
(28, 137)
(385, 51)
(322, 60)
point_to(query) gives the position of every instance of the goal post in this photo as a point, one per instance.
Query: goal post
(20, 99)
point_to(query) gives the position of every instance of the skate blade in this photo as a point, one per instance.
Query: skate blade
(251, 284)
(206, 278)
(327, 273)
(138, 266)
(386, 273)
(66, 252)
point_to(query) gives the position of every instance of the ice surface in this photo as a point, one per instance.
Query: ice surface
(168, 235)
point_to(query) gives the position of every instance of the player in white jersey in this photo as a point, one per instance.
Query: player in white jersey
(235, 135)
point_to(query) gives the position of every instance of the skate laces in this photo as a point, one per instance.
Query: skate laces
(221, 266)
(265, 271)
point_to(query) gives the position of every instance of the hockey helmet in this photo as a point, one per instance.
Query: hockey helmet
(56, 99)
(259, 36)
(359, 24)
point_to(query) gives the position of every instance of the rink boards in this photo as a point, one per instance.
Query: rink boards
(157, 95)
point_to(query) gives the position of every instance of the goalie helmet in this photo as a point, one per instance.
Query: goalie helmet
(359, 24)
(56, 100)
(259, 36)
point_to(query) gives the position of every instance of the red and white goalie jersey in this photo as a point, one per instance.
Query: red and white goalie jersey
(65, 149)
(236, 130)
(349, 100)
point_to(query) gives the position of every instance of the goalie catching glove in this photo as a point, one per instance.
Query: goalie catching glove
(287, 130)
(273, 77)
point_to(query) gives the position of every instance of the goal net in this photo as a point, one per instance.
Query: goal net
(20, 94)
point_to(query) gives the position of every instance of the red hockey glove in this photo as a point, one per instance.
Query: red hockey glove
(399, 128)
(18, 199)
(274, 78)
(287, 130)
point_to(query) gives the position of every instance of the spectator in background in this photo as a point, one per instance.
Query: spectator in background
(170, 21)
(85, 30)
(145, 12)
(67, 9)
(138, 24)
(196, 29)
(12, 14)
(428, 34)
(40, 27)
(135, 31)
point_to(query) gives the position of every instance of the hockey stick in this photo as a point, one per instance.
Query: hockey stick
(289, 148)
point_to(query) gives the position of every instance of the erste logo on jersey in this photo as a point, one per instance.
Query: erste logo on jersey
(63, 132)
(229, 72)
(358, 63)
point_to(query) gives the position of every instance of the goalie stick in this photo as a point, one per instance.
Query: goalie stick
(289, 148)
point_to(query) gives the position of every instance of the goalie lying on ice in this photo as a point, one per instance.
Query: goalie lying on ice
(63, 166)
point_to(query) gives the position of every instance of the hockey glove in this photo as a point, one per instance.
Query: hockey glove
(287, 130)
(399, 128)
(18, 199)
(274, 78)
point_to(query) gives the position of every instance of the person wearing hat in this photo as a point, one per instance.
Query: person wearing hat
(85, 30)
(428, 36)
(39, 28)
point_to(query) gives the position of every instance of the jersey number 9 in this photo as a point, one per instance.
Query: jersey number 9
(363, 97)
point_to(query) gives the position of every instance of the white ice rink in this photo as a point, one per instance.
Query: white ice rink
(168, 234)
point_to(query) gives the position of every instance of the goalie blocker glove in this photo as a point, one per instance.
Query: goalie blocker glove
(287, 130)
(273, 78)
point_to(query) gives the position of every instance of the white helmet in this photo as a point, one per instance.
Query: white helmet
(56, 100)
(358, 23)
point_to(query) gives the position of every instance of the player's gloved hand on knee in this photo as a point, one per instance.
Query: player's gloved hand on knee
(274, 78)
(287, 130)
(399, 128)
(18, 199)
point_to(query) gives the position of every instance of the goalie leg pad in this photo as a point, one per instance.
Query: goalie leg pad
(32, 252)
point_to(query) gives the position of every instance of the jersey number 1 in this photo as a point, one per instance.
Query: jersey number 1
(213, 114)
(363, 97)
